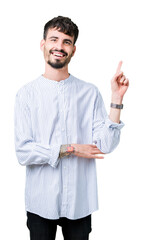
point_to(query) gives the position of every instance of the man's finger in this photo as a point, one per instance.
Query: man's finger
(119, 67)
(97, 152)
(99, 157)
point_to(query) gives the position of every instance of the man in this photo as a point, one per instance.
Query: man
(61, 127)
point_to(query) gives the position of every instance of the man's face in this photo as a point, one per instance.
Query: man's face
(58, 48)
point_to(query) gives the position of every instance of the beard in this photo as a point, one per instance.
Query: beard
(57, 63)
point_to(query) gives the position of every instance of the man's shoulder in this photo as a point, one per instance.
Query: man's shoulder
(85, 84)
(28, 87)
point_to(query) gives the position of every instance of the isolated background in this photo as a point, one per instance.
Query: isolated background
(110, 31)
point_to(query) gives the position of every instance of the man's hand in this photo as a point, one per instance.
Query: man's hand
(119, 85)
(87, 151)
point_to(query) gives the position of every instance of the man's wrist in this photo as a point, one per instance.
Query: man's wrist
(117, 106)
(116, 99)
(66, 150)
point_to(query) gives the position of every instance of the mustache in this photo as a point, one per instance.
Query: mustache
(62, 51)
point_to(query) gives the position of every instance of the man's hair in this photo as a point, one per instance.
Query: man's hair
(62, 24)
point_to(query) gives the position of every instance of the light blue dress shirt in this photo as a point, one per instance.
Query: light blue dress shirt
(48, 114)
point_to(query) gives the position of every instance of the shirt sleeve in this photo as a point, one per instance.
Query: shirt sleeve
(28, 151)
(106, 134)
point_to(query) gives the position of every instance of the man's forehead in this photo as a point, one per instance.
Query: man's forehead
(55, 32)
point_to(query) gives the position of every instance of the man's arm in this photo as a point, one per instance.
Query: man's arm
(28, 151)
(81, 150)
(119, 86)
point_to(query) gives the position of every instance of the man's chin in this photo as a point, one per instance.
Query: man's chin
(57, 65)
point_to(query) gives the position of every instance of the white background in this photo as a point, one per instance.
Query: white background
(110, 31)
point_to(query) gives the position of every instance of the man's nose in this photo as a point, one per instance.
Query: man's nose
(59, 45)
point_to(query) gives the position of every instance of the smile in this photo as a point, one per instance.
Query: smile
(58, 54)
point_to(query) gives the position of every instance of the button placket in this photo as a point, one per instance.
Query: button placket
(64, 140)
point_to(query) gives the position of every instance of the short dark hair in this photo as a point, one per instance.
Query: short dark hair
(62, 24)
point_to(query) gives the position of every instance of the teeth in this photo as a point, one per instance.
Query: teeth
(58, 54)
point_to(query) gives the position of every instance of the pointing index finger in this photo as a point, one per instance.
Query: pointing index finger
(119, 67)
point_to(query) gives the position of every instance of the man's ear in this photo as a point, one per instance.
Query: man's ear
(42, 44)
(74, 51)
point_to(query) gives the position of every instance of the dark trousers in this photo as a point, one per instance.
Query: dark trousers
(45, 229)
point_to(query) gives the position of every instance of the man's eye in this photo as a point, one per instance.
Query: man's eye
(68, 43)
(53, 40)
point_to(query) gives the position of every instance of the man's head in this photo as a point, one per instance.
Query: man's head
(58, 44)
(62, 24)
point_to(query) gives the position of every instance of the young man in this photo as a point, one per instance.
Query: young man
(61, 127)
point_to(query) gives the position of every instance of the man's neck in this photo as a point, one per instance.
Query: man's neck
(56, 74)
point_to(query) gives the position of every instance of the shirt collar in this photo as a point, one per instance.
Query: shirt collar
(61, 82)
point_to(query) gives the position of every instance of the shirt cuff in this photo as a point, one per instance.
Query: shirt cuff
(55, 155)
(51, 152)
(111, 124)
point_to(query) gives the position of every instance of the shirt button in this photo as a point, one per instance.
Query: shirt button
(60, 92)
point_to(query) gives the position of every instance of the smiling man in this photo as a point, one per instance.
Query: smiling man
(61, 128)
(58, 58)
(58, 49)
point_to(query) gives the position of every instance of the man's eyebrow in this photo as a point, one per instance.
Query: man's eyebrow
(53, 37)
(68, 40)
